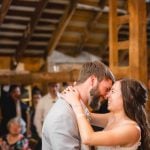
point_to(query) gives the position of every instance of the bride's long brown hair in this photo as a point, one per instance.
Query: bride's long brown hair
(134, 96)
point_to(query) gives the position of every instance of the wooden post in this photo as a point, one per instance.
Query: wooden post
(136, 45)
(137, 38)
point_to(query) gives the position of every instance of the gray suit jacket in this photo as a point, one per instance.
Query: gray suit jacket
(60, 129)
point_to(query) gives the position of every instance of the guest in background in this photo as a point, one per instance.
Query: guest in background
(14, 140)
(36, 96)
(43, 107)
(11, 107)
(31, 129)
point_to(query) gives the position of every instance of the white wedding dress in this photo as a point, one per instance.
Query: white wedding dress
(133, 147)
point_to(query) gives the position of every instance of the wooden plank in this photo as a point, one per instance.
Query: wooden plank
(79, 16)
(95, 41)
(62, 26)
(4, 9)
(92, 23)
(73, 28)
(82, 13)
(137, 48)
(72, 39)
(123, 45)
(103, 19)
(121, 72)
(94, 3)
(30, 28)
(5, 62)
(27, 78)
(122, 19)
(87, 7)
(80, 29)
(59, 1)
(113, 36)
(13, 26)
(100, 30)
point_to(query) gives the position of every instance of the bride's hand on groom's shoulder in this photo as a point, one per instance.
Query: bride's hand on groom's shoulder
(71, 95)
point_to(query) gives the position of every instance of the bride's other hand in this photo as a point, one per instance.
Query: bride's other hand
(71, 95)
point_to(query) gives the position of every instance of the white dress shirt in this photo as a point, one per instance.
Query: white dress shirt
(42, 109)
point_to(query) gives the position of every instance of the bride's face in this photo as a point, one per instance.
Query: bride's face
(115, 101)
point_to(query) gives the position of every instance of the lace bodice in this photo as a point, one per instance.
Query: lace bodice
(134, 147)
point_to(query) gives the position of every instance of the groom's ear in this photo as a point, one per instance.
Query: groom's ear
(93, 80)
(74, 83)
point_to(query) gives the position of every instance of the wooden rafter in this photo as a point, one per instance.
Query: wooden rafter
(86, 33)
(4, 9)
(30, 28)
(98, 9)
(62, 26)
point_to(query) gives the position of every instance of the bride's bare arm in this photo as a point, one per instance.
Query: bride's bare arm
(100, 120)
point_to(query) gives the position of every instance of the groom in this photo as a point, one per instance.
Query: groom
(60, 129)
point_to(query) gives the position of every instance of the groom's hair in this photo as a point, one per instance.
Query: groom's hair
(96, 68)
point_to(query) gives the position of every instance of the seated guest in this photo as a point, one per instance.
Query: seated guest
(14, 140)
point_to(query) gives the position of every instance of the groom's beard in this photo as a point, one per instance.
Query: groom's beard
(95, 103)
(94, 94)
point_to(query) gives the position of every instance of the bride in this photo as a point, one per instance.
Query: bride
(125, 127)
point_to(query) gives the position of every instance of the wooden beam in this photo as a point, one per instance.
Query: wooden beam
(137, 37)
(122, 19)
(89, 7)
(30, 28)
(27, 78)
(113, 36)
(4, 9)
(121, 72)
(98, 9)
(62, 26)
(122, 45)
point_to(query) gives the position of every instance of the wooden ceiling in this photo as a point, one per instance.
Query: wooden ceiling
(34, 28)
